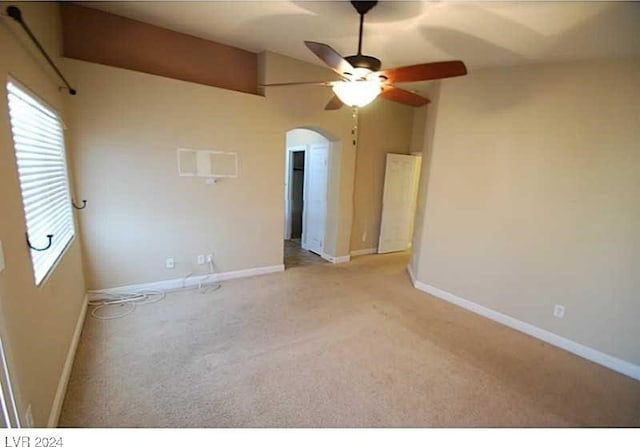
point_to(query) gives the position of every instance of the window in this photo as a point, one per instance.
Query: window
(38, 139)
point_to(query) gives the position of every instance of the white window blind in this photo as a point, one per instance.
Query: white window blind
(42, 169)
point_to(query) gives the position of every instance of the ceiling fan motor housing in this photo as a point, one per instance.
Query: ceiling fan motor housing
(363, 7)
(362, 61)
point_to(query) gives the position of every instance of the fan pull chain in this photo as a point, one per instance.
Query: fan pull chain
(354, 128)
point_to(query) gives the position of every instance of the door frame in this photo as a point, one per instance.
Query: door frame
(8, 408)
(417, 160)
(287, 188)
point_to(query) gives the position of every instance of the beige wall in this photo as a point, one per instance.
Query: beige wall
(418, 128)
(126, 127)
(37, 323)
(429, 115)
(534, 198)
(383, 127)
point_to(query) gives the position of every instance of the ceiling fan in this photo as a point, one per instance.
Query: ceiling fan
(362, 80)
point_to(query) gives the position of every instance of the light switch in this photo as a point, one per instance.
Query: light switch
(1, 258)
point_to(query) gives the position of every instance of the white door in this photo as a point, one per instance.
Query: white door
(399, 202)
(315, 198)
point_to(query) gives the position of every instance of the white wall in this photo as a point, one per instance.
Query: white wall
(533, 198)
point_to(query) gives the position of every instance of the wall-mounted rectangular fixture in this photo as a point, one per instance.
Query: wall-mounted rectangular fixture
(204, 163)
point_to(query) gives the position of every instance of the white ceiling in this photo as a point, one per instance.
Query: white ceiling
(481, 33)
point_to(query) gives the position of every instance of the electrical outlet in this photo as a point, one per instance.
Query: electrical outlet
(209, 258)
(200, 259)
(28, 417)
(558, 311)
(170, 263)
(364, 236)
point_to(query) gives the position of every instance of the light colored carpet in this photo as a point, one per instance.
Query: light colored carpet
(347, 345)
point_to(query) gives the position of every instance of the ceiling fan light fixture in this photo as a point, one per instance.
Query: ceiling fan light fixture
(363, 80)
(357, 93)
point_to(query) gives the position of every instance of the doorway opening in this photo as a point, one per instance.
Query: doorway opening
(306, 197)
(296, 191)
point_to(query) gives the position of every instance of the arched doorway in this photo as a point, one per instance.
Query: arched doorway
(306, 196)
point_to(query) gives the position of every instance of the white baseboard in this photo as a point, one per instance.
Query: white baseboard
(336, 259)
(176, 284)
(606, 360)
(365, 251)
(249, 272)
(411, 275)
(56, 407)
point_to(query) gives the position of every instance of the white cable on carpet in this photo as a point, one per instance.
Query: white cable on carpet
(129, 300)
(212, 287)
(105, 300)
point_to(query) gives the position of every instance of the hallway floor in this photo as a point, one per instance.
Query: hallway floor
(296, 256)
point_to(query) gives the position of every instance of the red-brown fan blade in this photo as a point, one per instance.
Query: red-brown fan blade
(334, 104)
(403, 96)
(425, 72)
(331, 57)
